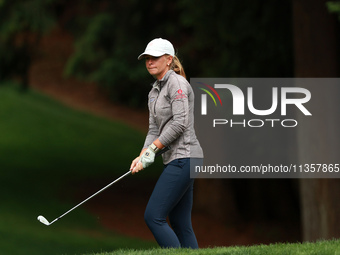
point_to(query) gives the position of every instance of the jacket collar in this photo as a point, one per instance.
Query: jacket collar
(160, 83)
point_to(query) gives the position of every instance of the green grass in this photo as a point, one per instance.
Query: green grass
(45, 147)
(308, 248)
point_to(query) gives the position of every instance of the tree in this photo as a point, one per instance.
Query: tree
(109, 38)
(21, 26)
(237, 40)
(316, 47)
(334, 7)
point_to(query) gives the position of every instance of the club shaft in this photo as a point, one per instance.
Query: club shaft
(107, 186)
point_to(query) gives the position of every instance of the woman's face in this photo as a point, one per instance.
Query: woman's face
(158, 66)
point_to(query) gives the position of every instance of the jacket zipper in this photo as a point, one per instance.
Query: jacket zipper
(154, 106)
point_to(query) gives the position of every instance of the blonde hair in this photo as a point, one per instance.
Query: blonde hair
(177, 66)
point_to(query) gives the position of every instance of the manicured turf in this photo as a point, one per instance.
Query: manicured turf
(331, 247)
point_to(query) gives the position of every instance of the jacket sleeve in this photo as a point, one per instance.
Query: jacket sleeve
(152, 133)
(178, 94)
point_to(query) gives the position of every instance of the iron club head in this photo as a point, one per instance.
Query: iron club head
(43, 220)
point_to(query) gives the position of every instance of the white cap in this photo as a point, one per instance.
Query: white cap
(158, 47)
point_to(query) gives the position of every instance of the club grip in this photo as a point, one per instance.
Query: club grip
(165, 149)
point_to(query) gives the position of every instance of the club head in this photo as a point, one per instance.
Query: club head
(43, 220)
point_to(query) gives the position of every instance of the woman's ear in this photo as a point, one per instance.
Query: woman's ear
(170, 58)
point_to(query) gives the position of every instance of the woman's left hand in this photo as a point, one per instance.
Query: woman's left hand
(148, 157)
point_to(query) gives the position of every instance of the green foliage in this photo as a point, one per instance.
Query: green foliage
(213, 39)
(25, 16)
(103, 58)
(106, 52)
(334, 7)
(21, 25)
(237, 38)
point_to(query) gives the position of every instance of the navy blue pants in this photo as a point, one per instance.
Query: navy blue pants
(173, 197)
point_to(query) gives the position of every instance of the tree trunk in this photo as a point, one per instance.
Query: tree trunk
(315, 43)
(315, 39)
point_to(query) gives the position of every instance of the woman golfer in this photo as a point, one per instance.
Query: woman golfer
(171, 122)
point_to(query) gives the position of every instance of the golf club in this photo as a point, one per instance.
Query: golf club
(43, 220)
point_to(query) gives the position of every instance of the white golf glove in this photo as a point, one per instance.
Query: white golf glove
(148, 157)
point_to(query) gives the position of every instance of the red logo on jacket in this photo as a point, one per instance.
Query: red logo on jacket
(180, 94)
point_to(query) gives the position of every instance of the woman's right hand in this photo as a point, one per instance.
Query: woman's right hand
(134, 165)
(134, 168)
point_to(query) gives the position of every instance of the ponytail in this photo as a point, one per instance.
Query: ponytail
(177, 66)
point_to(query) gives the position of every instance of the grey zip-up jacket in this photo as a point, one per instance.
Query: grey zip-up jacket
(171, 118)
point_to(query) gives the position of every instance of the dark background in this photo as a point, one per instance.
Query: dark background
(253, 38)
